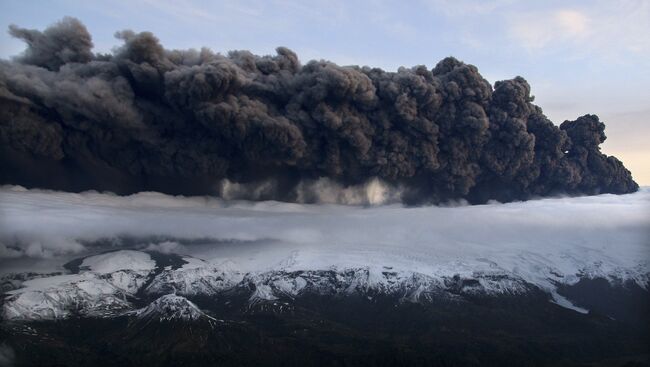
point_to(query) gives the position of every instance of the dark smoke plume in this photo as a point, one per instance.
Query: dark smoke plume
(185, 121)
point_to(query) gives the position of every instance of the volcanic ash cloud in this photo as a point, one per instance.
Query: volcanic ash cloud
(145, 118)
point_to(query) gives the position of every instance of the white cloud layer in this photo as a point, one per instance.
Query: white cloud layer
(605, 233)
(611, 30)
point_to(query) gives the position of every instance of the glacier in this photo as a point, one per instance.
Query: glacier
(275, 252)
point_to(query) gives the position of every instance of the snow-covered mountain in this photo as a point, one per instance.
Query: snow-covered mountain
(111, 284)
(100, 289)
(172, 307)
(178, 280)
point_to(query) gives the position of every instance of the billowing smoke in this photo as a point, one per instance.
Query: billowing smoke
(195, 122)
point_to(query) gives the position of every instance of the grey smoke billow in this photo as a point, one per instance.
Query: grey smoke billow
(182, 121)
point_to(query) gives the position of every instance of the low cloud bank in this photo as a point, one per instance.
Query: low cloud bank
(565, 233)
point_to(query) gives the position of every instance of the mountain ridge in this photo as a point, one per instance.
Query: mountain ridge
(110, 293)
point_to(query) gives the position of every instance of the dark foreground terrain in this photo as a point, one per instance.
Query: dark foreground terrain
(352, 331)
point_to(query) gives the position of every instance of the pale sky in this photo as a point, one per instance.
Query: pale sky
(579, 56)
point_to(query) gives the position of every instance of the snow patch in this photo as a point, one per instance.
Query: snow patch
(564, 302)
(196, 277)
(118, 260)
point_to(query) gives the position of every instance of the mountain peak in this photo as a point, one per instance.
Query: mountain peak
(171, 307)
